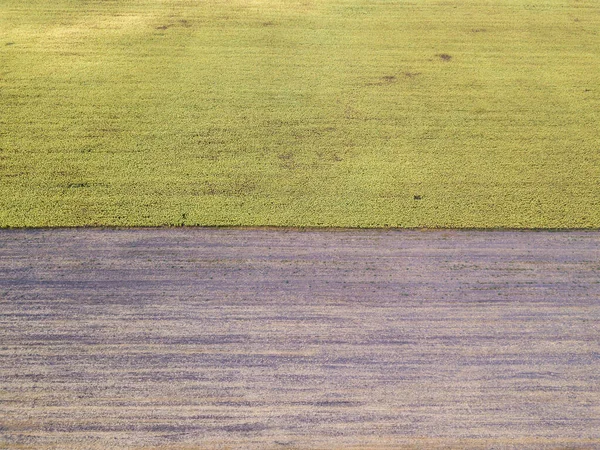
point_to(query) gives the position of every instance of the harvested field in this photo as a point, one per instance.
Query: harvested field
(219, 338)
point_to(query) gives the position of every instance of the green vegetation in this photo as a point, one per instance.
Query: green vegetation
(361, 113)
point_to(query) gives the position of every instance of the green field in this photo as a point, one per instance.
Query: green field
(347, 113)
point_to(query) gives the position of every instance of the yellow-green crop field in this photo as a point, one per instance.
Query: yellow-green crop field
(345, 113)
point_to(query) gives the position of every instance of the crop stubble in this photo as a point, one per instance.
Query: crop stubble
(273, 339)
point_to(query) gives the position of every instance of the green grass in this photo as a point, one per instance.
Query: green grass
(300, 113)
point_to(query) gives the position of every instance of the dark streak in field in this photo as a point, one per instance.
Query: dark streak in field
(208, 338)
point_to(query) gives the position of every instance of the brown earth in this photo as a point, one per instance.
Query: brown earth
(208, 338)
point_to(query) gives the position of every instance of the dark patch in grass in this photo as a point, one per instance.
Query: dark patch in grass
(162, 27)
(268, 24)
(329, 157)
(238, 188)
(478, 30)
(445, 56)
(14, 175)
(10, 43)
(411, 74)
(351, 113)
(287, 160)
(386, 79)
(212, 189)
(185, 23)
(417, 197)
(77, 185)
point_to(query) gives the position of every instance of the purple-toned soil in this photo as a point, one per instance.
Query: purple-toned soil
(243, 339)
